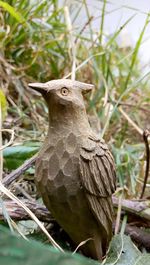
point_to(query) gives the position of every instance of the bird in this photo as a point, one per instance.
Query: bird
(75, 171)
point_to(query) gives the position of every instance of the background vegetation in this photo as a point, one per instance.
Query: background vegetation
(38, 42)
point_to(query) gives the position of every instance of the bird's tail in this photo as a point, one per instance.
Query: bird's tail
(93, 248)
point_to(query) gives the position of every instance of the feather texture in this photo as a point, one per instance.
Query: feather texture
(98, 176)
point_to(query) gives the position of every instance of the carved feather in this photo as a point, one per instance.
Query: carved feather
(98, 178)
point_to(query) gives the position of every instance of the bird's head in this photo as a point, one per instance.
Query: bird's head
(63, 92)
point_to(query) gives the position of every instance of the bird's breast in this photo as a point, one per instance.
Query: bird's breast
(58, 179)
(57, 167)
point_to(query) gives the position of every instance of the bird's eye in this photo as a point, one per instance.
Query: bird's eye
(64, 91)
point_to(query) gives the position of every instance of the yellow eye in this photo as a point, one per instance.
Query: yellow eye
(64, 91)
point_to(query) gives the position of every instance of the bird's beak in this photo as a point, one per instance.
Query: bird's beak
(40, 87)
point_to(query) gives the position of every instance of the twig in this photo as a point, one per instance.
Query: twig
(117, 226)
(11, 139)
(11, 196)
(16, 212)
(136, 127)
(138, 235)
(85, 62)
(20, 170)
(129, 105)
(23, 192)
(90, 24)
(72, 41)
(138, 208)
(81, 244)
(84, 27)
(146, 133)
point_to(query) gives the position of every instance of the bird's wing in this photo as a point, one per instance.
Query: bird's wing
(98, 177)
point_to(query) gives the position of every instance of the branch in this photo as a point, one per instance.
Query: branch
(139, 235)
(138, 208)
(19, 171)
(16, 212)
(146, 133)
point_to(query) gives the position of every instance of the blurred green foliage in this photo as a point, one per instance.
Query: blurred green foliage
(15, 251)
(16, 155)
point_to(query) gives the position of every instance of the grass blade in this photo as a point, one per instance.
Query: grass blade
(102, 22)
(11, 10)
(135, 53)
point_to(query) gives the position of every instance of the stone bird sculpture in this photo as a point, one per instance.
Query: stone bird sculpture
(75, 171)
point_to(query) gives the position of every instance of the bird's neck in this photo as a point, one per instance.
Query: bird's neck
(64, 121)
